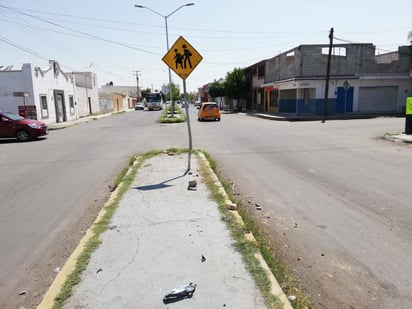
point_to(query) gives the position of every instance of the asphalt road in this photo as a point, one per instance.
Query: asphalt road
(51, 190)
(334, 197)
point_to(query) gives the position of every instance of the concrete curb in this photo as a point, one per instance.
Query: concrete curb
(403, 137)
(70, 265)
(399, 138)
(293, 118)
(68, 124)
(276, 290)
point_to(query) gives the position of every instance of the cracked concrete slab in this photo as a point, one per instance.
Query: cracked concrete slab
(157, 238)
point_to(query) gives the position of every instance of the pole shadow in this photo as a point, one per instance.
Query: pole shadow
(160, 185)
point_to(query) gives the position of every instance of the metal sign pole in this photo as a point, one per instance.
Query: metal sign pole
(182, 58)
(188, 124)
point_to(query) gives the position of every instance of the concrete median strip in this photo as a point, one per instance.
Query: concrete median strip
(146, 213)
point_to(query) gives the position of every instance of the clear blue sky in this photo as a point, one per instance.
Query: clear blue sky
(114, 39)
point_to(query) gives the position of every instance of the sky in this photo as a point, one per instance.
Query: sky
(115, 39)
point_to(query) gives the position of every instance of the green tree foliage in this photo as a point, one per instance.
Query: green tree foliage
(236, 84)
(191, 96)
(175, 92)
(217, 90)
(145, 91)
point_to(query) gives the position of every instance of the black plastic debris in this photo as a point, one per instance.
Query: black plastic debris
(192, 185)
(179, 293)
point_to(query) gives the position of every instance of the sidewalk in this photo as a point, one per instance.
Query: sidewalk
(293, 117)
(401, 137)
(162, 236)
(70, 123)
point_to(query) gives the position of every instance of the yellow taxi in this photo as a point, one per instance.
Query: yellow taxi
(208, 111)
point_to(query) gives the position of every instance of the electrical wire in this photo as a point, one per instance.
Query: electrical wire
(23, 48)
(81, 32)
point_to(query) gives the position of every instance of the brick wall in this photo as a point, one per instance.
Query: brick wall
(347, 59)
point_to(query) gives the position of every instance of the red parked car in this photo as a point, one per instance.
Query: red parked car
(15, 126)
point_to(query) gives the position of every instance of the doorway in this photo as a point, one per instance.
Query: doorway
(344, 100)
(59, 106)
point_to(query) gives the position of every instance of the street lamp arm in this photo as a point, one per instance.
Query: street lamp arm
(167, 41)
(164, 16)
(187, 4)
(146, 7)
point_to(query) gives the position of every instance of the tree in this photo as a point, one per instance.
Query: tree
(191, 96)
(175, 92)
(217, 90)
(236, 85)
(145, 91)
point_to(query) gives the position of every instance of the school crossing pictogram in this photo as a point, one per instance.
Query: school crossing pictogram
(182, 58)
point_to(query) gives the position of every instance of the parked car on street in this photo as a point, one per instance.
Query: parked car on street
(15, 126)
(208, 111)
(197, 104)
(139, 106)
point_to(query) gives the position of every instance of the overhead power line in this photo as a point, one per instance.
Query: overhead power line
(23, 48)
(353, 42)
(193, 29)
(81, 32)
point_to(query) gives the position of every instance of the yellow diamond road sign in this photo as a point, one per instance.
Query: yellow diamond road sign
(182, 58)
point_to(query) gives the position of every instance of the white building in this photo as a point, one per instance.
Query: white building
(87, 93)
(49, 95)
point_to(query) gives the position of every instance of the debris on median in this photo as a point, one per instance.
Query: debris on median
(192, 185)
(179, 293)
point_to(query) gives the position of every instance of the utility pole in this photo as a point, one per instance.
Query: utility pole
(325, 104)
(137, 73)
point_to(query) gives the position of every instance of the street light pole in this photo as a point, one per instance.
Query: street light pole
(167, 43)
(170, 73)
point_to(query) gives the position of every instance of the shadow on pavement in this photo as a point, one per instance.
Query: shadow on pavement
(161, 185)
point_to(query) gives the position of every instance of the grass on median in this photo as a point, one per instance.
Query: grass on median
(248, 248)
(167, 117)
(122, 182)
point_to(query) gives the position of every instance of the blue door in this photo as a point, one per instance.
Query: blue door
(344, 100)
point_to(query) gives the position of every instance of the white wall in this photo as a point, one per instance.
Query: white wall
(44, 84)
(15, 81)
(404, 88)
(36, 82)
(86, 87)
